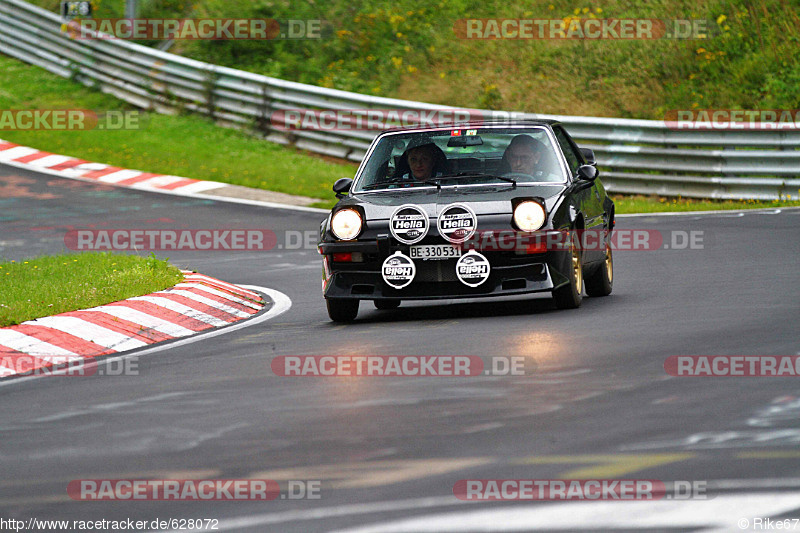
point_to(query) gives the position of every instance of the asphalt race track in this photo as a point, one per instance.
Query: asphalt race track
(595, 402)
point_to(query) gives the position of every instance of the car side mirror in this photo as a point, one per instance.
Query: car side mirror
(342, 187)
(587, 173)
(588, 155)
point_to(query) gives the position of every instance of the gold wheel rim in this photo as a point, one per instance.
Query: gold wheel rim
(577, 271)
(609, 265)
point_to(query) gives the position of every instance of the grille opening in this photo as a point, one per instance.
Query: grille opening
(362, 289)
(512, 284)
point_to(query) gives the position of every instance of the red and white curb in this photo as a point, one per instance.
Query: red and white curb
(196, 304)
(71, 167)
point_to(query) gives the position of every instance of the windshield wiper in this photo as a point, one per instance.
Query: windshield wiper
(401, 182)
(477, 175)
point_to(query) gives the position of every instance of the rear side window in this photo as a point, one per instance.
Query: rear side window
(573, 158)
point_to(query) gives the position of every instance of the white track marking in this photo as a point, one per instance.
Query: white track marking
(89, 332)
(723, 212)
(193, 190)
(182, 309)
(92, 166)
(281, 304)
(16, 153)
(642, 511)
(253, 521)
(189, 191)
(718, 514)
(206, 301)
(201, 186)
(30, 345)
(149, 321)
(227, 296)
(50, 160)
(745, 484)
(260, 203)
(120, 175)
(156, 181)
(201, 278)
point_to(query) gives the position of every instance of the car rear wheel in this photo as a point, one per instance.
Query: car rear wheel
(569, 296)
(342, 310)
(386, 305)
(601, 282)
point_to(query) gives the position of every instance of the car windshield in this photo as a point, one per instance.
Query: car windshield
(459, 157)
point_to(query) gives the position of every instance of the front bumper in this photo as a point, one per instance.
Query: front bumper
(510, 274)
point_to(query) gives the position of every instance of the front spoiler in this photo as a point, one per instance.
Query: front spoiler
(502, 281)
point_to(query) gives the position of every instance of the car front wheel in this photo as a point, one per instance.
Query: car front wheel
(601, 282)
(342, 310)
(569, 296)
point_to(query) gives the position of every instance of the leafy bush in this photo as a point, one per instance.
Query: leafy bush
(409, 49)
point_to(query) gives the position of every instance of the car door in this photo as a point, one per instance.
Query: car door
(588, 201)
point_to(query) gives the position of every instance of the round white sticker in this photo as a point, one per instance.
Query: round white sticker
(398, 270)
(473, 269)
(409, 224)
(457, 223)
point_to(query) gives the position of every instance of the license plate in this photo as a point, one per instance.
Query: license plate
(435, 251)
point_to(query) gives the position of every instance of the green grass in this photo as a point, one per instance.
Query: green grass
(194, 147)
(185, 145)
(48, 285)
(660, 204)
(409, 50)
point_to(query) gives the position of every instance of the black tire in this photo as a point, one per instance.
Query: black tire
(386, 305)
(341, 309)
(601, 281)
(569, 296)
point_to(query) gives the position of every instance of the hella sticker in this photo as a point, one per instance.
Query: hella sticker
(472, 269)
(409, 224)
(398, 270)
(457, 223)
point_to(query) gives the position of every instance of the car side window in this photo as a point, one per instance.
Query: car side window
(573, 158)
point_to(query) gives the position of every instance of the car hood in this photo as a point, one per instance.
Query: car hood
(483, 200)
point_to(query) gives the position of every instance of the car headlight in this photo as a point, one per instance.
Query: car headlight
(346, 224)
(529, 216)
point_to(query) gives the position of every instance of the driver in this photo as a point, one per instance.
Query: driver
(526, 155)
(422, 162)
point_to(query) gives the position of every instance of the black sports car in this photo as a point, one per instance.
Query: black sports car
(465, 211)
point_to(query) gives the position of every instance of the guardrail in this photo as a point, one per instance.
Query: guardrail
(635, 156)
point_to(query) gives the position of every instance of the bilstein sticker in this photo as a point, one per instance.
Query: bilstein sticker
(409, 224)
(457, 223)
(398, 270)
(473, 269)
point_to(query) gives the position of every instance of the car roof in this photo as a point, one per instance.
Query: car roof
(475, 124)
